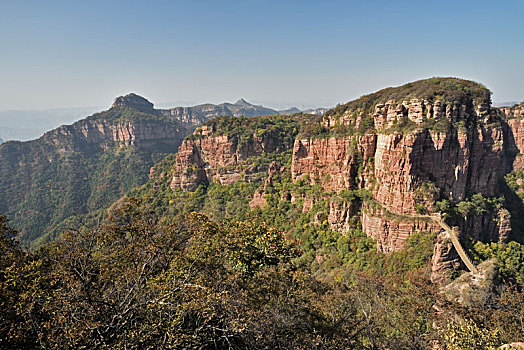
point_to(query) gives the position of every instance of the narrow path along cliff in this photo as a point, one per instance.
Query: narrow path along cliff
(454, 239)
(456, 244)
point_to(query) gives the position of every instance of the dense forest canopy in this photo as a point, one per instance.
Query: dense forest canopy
(135, 282)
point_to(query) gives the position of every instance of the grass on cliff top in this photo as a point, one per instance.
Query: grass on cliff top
(279, 127)
(446, 90)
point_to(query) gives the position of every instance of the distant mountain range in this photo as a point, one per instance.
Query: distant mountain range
(201, 113)
(23, 125)
(293, 110)
(505, 104)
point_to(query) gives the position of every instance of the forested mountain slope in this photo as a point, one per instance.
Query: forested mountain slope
(81, 168)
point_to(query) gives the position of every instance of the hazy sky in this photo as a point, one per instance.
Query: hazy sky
(308, 53)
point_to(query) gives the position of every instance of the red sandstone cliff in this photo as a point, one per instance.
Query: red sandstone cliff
(454, 164)
(130, 121)
(215, 158)
(417, 151)
(211, 155)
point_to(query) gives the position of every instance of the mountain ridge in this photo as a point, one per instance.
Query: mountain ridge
(97, 147)
(133, 123)
(39, 122)
(83, 167)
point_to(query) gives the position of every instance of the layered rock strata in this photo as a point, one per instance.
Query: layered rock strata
(208, 158)
(104, 133)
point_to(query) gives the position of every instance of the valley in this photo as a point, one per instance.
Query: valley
(390, 221)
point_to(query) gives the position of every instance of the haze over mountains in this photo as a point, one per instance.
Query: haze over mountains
(24, 125)
(81, 168)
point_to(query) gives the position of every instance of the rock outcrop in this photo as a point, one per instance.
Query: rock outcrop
(412, 170)
(331, 162)
(135, 102)
(222, 159)
(515, 134)
(404, 171)
(421, 150)
(392, 112)
(104, 133)
(259, 199)
(474, 291)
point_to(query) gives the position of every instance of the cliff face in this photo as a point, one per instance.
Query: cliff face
(455, 162)
(411, 153)
(217, 158)
(400, 151)
(403, 170)
(103, 133)
(81, 168)
(214, 155)
(420, 167)
(515, 134)
(332, 162)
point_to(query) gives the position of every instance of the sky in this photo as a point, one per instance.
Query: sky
(273, 52)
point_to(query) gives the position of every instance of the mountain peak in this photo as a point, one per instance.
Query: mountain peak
(242, 102)
(134, 101)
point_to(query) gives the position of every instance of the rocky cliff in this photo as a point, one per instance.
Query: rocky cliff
(215, 154)
(383, 162)
(445, 145)
(216, 158)
(410, 172)
(104, 133)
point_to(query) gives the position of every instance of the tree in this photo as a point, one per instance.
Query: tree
(20, 289)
